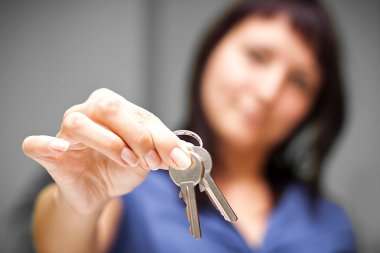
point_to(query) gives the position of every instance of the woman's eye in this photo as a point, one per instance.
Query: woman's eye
(257, 56)
(300, 82)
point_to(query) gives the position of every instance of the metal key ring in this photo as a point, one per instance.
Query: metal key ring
(191, 134)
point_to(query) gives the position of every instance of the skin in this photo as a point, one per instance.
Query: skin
(261, 76)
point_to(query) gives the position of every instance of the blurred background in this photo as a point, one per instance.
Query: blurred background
(53, 54)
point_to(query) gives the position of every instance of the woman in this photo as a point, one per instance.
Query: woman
(267, 101)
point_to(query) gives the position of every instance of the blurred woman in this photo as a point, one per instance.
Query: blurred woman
(266, 99)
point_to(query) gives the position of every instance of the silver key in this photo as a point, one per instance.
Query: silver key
(187, 180)
(207, 184)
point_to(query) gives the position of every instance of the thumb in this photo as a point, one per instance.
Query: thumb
(43, 148)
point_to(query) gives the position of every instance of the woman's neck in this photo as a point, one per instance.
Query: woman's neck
(239, 175)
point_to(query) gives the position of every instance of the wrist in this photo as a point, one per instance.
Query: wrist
(61, 202)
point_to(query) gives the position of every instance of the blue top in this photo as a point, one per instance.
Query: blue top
(154, 220)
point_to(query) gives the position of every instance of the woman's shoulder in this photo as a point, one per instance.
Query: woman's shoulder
(320, 207)
(321, 211)
(320, 220)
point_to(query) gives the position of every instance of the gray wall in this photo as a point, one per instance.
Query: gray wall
(54, 53)
(353, 176)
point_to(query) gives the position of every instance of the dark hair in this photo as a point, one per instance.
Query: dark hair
(300, 157)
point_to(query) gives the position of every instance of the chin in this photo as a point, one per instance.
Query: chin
(244, 138)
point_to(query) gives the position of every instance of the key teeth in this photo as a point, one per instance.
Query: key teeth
(187, 211)
(191, 231)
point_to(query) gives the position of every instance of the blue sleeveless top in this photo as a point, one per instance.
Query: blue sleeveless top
(154, 220)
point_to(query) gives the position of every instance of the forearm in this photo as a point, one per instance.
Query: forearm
(59, 228)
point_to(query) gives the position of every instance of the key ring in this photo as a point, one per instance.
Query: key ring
(191, 134)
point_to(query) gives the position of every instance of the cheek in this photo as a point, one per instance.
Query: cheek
(218, 96)
(226, 71)
(224, 77)
(289, 112)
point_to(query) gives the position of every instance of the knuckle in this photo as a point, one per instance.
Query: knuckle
(144, 116)
(67, 112)
(70, 110)
(100, 92)
(114, 144)
(107, 106)
(73, 121)
(143, 139)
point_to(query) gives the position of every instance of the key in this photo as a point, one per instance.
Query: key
(207, 184)
(187, 180)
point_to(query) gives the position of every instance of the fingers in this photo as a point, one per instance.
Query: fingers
(143, 132)
(168, 145)
(44, 146)
(45, 150)
(111, 113)
(145, 136)
(187, 145)
(78, 128)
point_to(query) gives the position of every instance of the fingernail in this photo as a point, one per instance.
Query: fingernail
(143, 164)
(152, 159)
(180, 158)
(129, 157)
(59, 145)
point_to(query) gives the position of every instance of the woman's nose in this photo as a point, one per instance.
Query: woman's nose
(269, 86)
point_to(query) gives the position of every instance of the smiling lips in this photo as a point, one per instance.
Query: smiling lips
(252, 116)
(250, 110)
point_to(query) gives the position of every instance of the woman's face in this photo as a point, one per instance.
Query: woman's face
(259, 83)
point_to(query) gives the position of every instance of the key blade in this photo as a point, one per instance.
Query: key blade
(201, 187)
(208, 184)
(217, 198)
(188, 194)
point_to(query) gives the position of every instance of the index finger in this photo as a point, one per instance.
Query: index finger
(168, 145)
